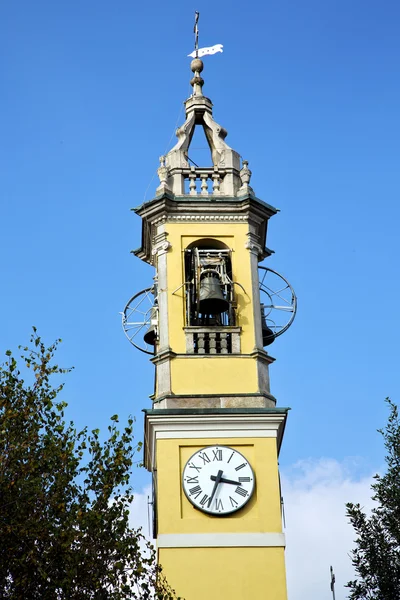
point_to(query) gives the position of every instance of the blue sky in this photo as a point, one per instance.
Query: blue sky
(309, 93)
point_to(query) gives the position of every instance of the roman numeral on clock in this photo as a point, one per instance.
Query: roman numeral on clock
(244, 479)
(196, 491)
(234, 503)
(218, 504)
(204, 500)
(242, 492)
(240, 466)
(195, 479)
(204, 457)
(217, 454)
(193, 466)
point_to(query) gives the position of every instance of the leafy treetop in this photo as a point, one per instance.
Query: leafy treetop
(65, 497)
(376, 556)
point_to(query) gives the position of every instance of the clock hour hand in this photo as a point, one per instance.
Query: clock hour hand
(223, 480)
(217, 480)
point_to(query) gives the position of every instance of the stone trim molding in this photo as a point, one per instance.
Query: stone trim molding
(224, 218)
(221, 540)
(196, 209)
(164, 247)
(198, 426)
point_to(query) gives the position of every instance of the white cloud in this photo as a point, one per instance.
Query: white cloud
(141, 511)
(317, 531)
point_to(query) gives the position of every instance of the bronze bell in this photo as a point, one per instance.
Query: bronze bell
(150, 336)
(211, 299)
(268, 336)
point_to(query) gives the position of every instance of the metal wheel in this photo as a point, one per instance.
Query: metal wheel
(136, 319)
(278, 301)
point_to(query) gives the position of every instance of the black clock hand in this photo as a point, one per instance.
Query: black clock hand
(223, 480)
(217, 480)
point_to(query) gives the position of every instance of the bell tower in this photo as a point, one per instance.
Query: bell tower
(213, 434)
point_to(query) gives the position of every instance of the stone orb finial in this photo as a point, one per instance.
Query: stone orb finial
(197, 65)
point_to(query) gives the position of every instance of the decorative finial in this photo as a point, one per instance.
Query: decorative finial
(197, 82)
(197, 65)
(163, 175)
(245, 176)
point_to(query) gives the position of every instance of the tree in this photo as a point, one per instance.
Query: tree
(65, 497)
(376, 557)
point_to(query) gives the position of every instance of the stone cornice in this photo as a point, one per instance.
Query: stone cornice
(184, 412)
(212, 424)
(163, 356)
(204, 204)
(212, 209)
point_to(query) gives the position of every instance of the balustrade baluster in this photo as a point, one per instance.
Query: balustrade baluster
(200, 343)
(204, 184)
(224, 343)
(216, 182)
(213, 343)
(192, 183)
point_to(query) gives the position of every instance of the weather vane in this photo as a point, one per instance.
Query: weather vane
(196, 33)
(198, 53)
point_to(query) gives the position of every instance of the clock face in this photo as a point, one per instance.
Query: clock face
(218, 480)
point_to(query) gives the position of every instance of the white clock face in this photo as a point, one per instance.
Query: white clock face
(218, 480)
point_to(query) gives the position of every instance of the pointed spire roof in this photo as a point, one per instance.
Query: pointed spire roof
(181, 178)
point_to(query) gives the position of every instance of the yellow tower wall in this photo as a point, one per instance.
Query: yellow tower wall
(214, 375)
(226, 573)
(211, 374)
(212, 572)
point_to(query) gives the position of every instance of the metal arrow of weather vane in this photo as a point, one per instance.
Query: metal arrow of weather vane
(199, 52)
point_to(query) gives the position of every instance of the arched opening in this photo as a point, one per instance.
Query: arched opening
(209, 287)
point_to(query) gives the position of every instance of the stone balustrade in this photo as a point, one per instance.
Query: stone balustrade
(203, 181)
(212, 340)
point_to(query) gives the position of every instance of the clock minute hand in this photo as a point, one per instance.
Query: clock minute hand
(223, 480)
(217, 480)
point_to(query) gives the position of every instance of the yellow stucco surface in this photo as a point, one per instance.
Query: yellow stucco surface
(225, 573)
(234, 236)
(210, 374)
(214, 375)
(177, 515)
(215, 573)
